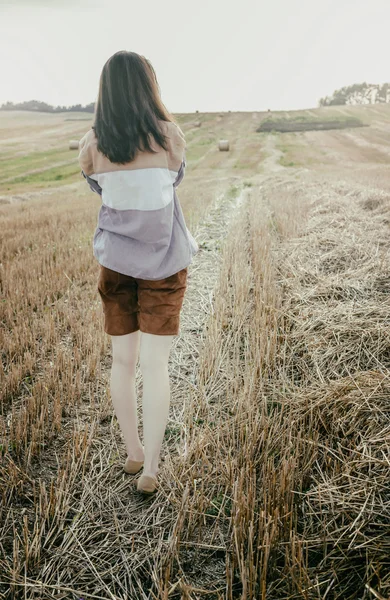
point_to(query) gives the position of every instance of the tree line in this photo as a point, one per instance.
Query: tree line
(36, 105)
(359, 93)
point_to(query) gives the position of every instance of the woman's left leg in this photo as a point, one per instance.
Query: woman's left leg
(154, 356)
(125, 349)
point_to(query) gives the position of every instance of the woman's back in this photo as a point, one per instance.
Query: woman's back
(141, 229)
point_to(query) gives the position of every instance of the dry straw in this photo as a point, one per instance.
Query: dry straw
(275, 470)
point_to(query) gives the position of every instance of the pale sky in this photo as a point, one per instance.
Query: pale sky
(209, 55)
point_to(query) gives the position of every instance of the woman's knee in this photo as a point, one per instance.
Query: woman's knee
(154, 351)
(125, 350)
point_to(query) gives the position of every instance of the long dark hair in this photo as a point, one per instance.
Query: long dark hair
(128, 108)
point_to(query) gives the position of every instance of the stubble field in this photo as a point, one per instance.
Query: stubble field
(275, 469)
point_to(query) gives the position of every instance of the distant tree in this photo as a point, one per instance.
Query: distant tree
(36, 105)
(358, 93)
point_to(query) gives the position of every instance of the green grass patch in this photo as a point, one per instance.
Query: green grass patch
(45, 178)
(286, 163)
(307, 123)
(15, 165)
(219, 504)
(195, 152)
(233, 191)
(289, 152)
(205, 141)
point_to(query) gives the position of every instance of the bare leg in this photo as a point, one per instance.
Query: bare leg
(125, 350)
(154, 355)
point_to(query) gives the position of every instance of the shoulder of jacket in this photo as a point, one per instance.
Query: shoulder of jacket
(87, 139)
(175, 134)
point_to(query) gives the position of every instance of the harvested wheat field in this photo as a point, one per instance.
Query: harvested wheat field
(275, 470)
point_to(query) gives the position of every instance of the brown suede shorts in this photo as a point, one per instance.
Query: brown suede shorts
(130, 303)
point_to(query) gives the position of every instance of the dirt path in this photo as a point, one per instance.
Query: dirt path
(271, 163)
(198, 301)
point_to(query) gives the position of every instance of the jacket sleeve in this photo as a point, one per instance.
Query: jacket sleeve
(179, 153)
(86, 163)
(181, 173)
(85, 157)
(93, 184)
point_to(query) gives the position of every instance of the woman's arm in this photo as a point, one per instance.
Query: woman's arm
(86, 163)
(181, 173)
(84, 157)
(178, 153)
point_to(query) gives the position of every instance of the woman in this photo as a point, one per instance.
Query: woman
(134, 157)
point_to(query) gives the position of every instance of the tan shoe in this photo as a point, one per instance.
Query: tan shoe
(132, 466)
(147, 484)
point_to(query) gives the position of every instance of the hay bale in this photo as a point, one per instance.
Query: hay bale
(223, 144)
(73, 145)
(197, 123)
